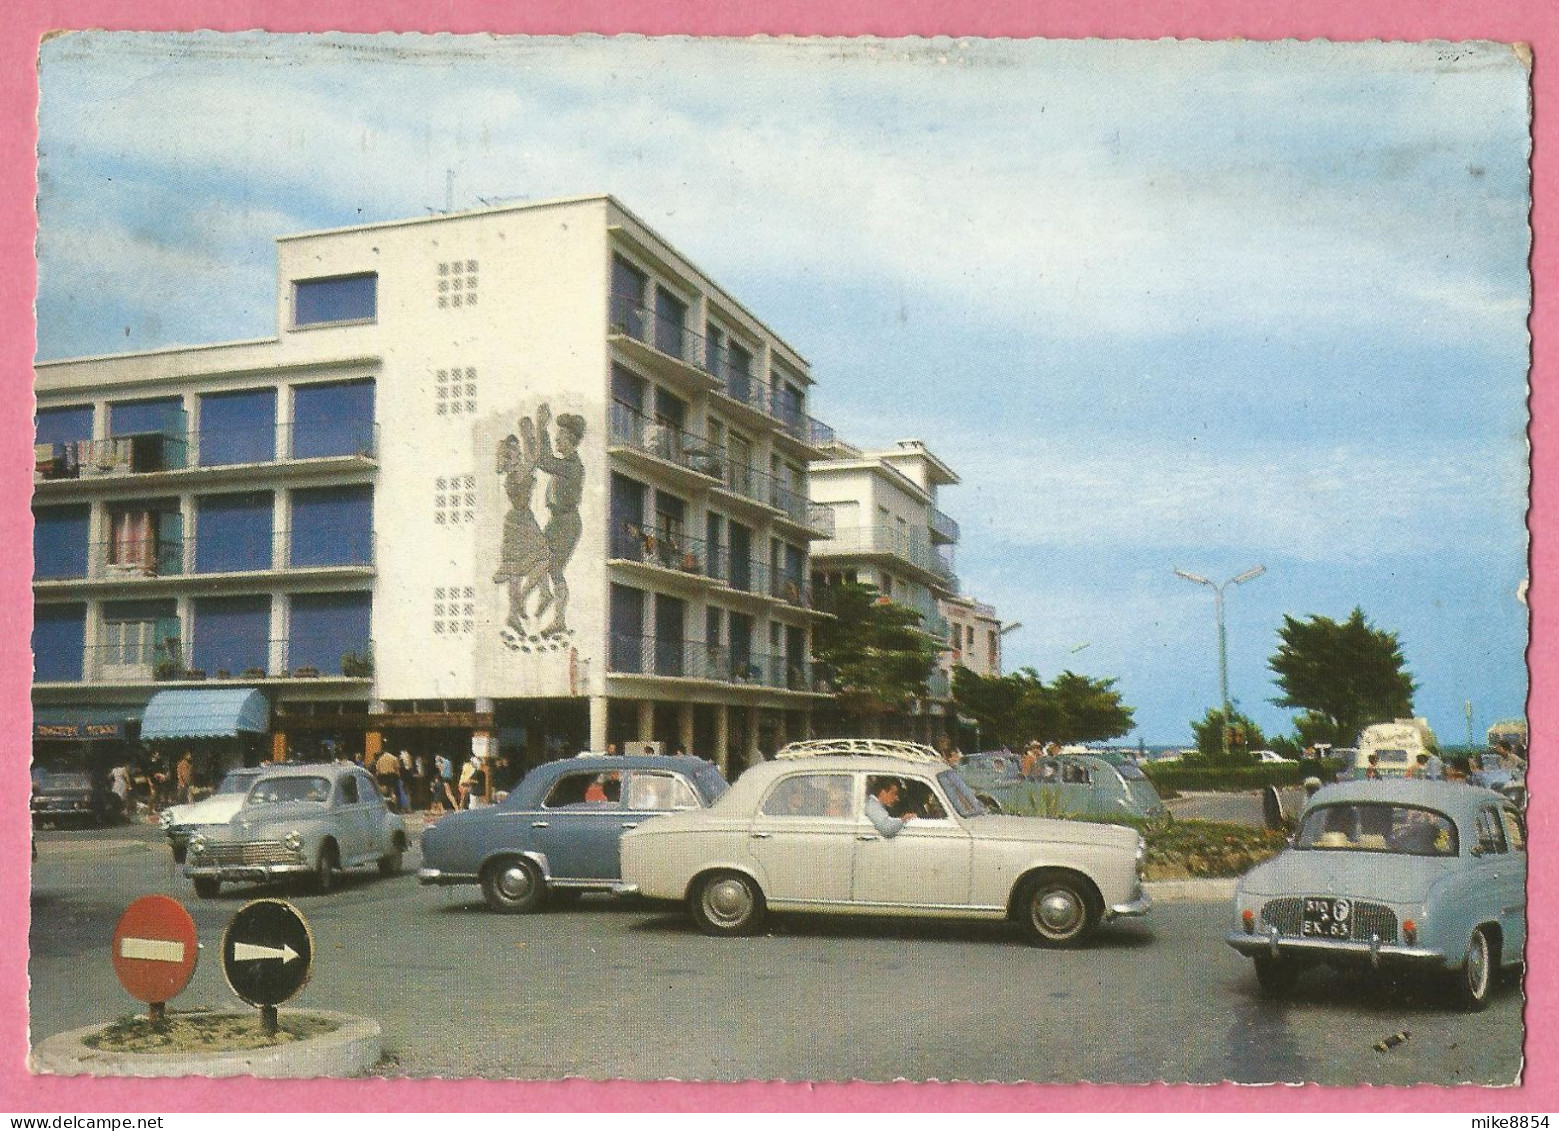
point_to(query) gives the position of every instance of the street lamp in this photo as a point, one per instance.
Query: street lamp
(1223, 643)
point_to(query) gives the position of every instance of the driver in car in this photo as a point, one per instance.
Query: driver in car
(879, 804)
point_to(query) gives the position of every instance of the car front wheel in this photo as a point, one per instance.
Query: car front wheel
(1058, 910)
(325, 869)
(727, 903)
(1475, 979)
(206, 887)
(513, 885)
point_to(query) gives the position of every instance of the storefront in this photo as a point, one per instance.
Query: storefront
(219, 728)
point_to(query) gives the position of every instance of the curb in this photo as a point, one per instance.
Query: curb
(1191, 891)
(351, 1050)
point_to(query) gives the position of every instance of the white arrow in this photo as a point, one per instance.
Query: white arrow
(248, 952)
(154, 950)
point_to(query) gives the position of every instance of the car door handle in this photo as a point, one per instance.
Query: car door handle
(761, 836)
(868, 836)
(540, 824)
(630, 824)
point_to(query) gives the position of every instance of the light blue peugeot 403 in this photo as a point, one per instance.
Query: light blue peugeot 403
(1425, 876)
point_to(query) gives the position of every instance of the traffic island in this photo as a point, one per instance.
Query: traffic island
(306, 1044)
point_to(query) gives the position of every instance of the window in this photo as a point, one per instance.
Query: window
(457, 280)
(584, 789)
(738, 374)
(349, 790)
(1491, 831)
(233, 532)
(346, 298)
(327, 628)
(145, 539)
(58, 642)
(139, 633)
(1514, 833)
(332, 526)
(59, 542)
(65, 425)
(628, 288)
(163, 415)
(670, 323)
(238, 427)
(656, 792)
(810, 795)
(334, 419)
(232, 634)
(627, 618)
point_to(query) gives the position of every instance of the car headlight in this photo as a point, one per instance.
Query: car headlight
(197, 845)
(293, 841)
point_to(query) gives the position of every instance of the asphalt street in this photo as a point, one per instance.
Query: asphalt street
(607, 989)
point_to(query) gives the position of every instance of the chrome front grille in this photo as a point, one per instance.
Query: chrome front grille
(1366, 919)
(249, 853)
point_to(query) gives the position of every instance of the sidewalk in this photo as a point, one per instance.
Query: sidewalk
(1191, 891)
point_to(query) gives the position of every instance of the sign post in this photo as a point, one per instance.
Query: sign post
(155, 951)
(267, 950)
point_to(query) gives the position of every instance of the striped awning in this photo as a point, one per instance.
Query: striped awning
(205, 713)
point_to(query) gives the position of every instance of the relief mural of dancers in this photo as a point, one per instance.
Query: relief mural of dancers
(533, 559)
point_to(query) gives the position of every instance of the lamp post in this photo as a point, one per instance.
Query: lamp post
(1223, 641)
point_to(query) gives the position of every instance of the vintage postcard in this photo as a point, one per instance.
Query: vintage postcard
(780, 559)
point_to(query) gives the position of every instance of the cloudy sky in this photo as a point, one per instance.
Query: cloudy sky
(1160, 304)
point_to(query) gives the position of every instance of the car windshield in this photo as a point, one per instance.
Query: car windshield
(1130, 772)
(67, 781)
(1402, 830)
(710, 783)
(271, 791)
(237, 782)
(959, 793)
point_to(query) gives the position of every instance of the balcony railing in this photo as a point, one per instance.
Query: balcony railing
(151, 452)
(907, 545)
(692, 659)
(667, 549)
(943, 526)
(633, 429)
(176, 557)
(668, 336)
(790, 587)
(175, 660)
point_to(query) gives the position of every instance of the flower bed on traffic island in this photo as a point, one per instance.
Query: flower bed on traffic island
(206, 1032)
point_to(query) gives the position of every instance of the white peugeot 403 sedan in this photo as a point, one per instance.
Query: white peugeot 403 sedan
(794, 834)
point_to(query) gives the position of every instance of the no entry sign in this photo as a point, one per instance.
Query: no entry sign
(266, 951)
(154, 949)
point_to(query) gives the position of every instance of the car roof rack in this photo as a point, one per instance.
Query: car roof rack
(861, 748)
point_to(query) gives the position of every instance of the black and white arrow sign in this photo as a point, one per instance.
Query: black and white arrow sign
(249, 952)
(266, 952)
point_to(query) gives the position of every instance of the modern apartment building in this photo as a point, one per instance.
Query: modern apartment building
(974, 636)
(889, 533)
(521, 478)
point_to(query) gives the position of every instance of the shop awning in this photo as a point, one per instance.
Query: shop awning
(205, 713)
(76, 723)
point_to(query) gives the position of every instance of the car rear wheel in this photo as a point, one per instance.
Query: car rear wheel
(1275, 976)
(1058, 909)
(207, 887)
(727, 903)
(513, 885)
(179, 852)
(1474, 981)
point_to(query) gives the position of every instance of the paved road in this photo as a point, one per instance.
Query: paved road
(606, 989)
(1235, 808)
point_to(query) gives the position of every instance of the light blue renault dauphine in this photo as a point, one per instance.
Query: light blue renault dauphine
(1427, 876)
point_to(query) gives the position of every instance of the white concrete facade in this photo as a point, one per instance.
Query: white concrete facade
(974, 633)
(492, 583)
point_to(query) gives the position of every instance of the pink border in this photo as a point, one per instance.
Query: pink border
(21, 26)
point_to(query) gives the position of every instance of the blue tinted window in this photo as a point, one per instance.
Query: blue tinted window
(332, 526)
(232, 634)
(64, 425)
(336, 419)
(233, 532)
(238, 427)
(132, 418)
(59, 635)
(59, 542)
(328, 626)
(345, 299)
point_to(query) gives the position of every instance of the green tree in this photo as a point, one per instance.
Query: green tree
(1342, 675)
(872, 650)
(1244, 736)
(1014, 708)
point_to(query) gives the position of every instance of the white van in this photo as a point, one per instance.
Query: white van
(1396, 746)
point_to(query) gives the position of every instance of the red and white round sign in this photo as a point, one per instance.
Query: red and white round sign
(155, 948)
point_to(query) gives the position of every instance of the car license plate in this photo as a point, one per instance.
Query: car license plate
(1326, 918)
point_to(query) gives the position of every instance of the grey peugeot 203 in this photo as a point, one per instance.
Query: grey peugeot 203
(1422, 876)
(557, 833)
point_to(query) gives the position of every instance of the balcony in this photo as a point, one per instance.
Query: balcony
(157, 457)
(909, 546)
(691, 659)
(173, 661)
(665, 442)
(663, 549)
(942, 526)
(137, 560)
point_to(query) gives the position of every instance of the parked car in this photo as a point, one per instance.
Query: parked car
(78, 797)
(1503, 775)
(1083, 786)
(793, 834)
(299, 821)
(557, 832)
(180, 822)
(1428, 876)
(1272, 758)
